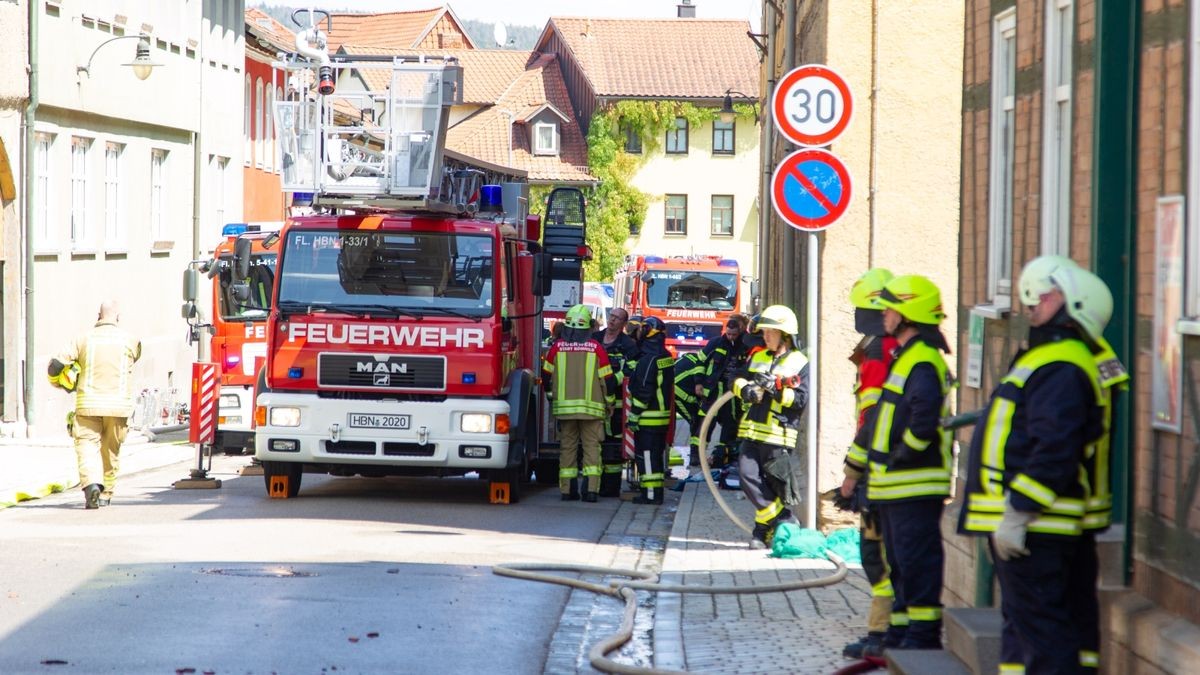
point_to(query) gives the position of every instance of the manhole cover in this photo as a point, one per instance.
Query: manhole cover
(274, 572)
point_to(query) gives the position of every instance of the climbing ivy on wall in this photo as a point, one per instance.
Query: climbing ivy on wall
(616, 208)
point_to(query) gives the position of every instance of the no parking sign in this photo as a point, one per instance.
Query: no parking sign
(810, 189)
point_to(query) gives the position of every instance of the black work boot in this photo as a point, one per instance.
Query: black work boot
(590, 497)
(857, 650)
(645, 498)
(91, 496)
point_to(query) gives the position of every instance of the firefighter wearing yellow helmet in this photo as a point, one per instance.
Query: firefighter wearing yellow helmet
(1037, 483)
(579, 380)
(906, 453)
(774, 386)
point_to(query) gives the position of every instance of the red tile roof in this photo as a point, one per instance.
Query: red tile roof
(397, 30)
(486, 72)
(263, 25)
(662, 58)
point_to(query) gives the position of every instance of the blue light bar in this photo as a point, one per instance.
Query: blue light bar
(490, 199)
(302, 199)
(468, 378)
(295, 373)
(653, 259)
(726, 262)
(233, 229)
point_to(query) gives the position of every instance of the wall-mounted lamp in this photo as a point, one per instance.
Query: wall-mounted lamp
(727, 112)
(141, 64)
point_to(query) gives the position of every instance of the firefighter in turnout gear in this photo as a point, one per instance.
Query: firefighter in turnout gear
(651, 389)
(774, 387)
(908, 455)
(1037, 481)
(580, 382)
(622, 350)
(726, 355)
(872, 357)
(690, 370)
(103, 359)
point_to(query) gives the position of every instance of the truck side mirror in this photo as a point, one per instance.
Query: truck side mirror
(241, 259)
(240, 292)
(191, 284)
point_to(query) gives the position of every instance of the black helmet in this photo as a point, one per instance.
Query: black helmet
(653, 327)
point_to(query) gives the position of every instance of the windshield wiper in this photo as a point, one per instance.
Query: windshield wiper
(453, 312)
(294, 306)
(369, 309)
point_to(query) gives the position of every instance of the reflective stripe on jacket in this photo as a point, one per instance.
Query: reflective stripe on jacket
(580, 379)
(1043, 426)
(651, 388)
(779, 424)
(908, 450)
(105, 355)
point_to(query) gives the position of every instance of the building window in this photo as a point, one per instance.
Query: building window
(278, 159)
(269, 137)
(158, 195)
(217, 179)
(1056, 163)
(545, 138)
(81, 236)
(114, 220)
(722, 215)
(676, 214)
(43, 209)
(633, 141)
(677, 137)
(722, 138)
(1000, 211)
(258, 123)
(1192, 233)
(248, 144)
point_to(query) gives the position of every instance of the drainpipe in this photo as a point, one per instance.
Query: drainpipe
(766, 154)
(202, 344)
(30, 152)
(872, 187)
(787, 268)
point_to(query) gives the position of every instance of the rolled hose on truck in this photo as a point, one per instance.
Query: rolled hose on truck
(640, 580)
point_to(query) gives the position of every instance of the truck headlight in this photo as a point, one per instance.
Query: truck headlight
(230, 401)
(285, 417)
(476, 423)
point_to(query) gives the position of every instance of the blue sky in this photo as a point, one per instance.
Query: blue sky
(535, 12)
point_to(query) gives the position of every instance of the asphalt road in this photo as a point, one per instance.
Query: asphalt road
(353, 576)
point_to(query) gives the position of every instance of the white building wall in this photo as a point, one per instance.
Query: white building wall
(700, 174)
(197, 89)
(14, 90)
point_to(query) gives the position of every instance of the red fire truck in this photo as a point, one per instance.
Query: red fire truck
(239, 327)
(404, 334)
(693, 295)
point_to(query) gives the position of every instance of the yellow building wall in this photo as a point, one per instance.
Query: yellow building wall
(700, 174)
(904, 161)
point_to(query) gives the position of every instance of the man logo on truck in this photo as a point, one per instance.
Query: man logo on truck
(385, 368)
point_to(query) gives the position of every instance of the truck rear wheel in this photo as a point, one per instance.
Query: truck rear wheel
(282, 479)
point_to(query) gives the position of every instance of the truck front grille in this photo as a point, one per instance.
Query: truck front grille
(381, 372)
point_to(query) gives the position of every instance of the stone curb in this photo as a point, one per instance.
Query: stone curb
(668, 613)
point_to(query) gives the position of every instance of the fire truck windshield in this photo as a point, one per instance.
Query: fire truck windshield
(697, 290)
(260, 281)
(409, 272)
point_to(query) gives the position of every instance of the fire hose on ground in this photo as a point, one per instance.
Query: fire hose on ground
(640, 580)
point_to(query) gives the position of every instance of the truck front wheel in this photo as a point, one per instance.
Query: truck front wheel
(282, 479)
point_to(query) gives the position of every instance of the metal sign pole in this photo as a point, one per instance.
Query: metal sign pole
(814, 397)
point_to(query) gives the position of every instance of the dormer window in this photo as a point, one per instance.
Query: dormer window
(545, 138)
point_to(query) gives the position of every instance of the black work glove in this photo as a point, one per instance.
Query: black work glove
(752, 393)
(843, 503)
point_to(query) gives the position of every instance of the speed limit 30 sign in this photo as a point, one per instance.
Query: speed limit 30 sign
(811, 105)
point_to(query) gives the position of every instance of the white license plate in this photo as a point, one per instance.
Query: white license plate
(364, 421)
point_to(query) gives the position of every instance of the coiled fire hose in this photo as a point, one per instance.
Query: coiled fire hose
(648, 581)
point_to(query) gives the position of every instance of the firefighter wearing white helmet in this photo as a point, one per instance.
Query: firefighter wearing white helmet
(1036, 482)
(579, 381)
(906, 452)
(774, 387)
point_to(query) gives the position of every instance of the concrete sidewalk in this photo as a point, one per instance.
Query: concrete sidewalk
(31, 468)
(801, 631)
